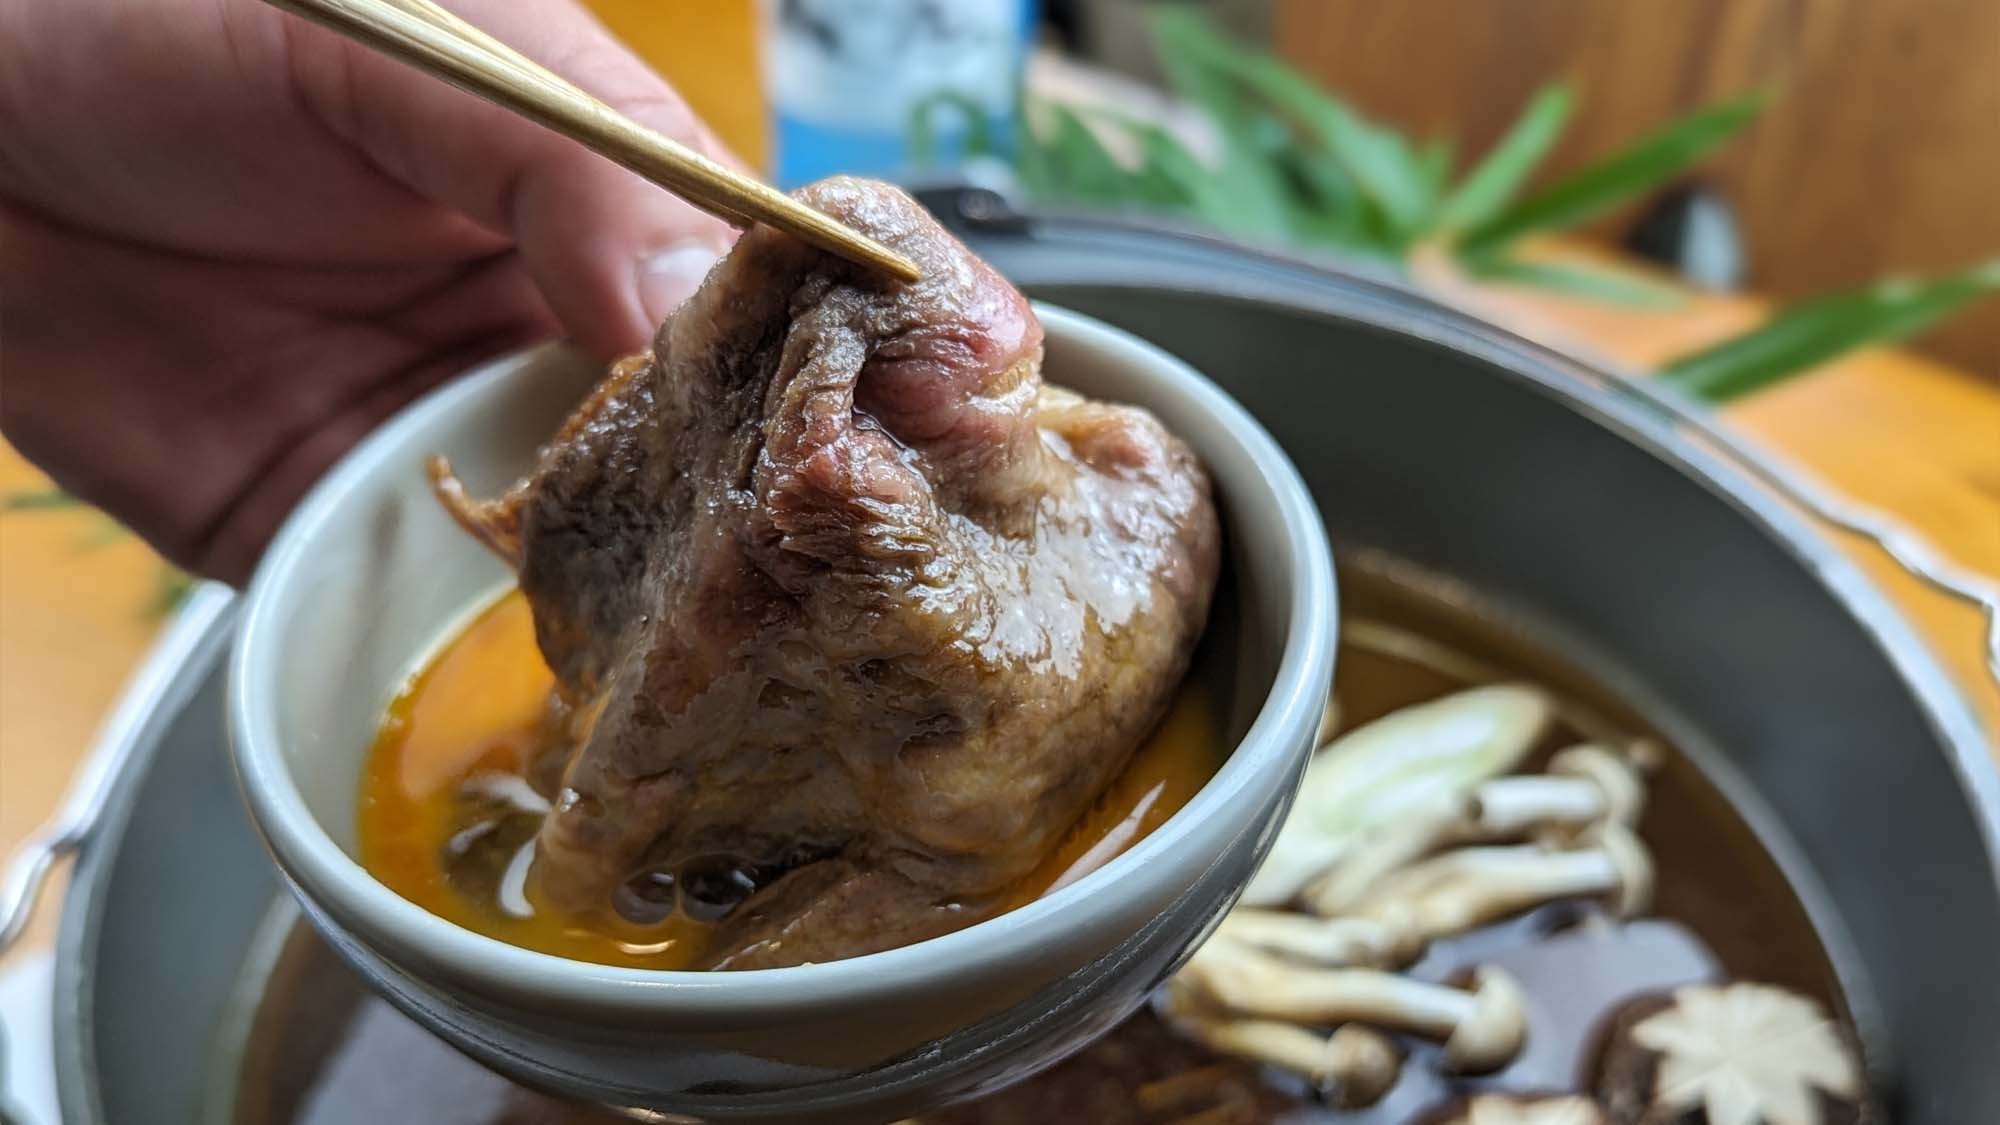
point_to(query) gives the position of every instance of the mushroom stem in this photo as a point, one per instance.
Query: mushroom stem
(1482, 1029)
(1525, 1109)
(1622, 777)
(1515, 806)
(1459, 890)
(1382, 942)
(1381, 772)
(1354, 1066)
(1416, 833)
(1584, 785)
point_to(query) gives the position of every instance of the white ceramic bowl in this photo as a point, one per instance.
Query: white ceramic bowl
(369, 573)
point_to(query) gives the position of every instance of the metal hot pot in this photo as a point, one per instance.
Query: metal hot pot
(1639, 540)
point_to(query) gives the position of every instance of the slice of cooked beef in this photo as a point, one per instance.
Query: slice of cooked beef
(835, 587)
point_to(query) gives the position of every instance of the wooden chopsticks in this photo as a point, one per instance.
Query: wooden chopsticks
(438, 42)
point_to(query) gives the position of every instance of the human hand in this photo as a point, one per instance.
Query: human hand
(232, 242)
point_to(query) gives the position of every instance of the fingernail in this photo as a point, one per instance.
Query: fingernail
(668, 277)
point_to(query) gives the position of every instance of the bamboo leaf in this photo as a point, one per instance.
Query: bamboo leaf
(1812, 333)
(1638, 167)
(1186, 48)
(1077, 163)
(1491, 185)
(1248, 172)
(1031, 162)
(1610, 286)
(922, 128)
(1253, 141)
(1380, 161)
(1330, 210)
(1317, 179)
(1323, 205)
(1436, 159)
(1242, 198)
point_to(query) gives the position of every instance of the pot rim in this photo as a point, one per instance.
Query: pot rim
(1335, 289)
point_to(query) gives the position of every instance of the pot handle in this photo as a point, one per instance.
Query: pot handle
(1910, 551)
(134, 721)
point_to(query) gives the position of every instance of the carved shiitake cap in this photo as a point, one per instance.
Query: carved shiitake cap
(1737, 1052)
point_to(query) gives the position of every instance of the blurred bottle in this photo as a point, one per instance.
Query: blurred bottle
(891, 88)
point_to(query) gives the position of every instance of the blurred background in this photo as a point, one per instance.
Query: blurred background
(1733, 192)
(1876, 151)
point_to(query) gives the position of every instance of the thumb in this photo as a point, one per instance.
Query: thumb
(611, 253)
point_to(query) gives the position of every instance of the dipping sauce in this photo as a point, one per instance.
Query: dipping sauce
(452, 789)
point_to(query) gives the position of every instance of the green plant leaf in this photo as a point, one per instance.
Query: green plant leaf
(1031, 160)
(1323, 206)
(1187, 48)
(1637, 168)
(1316, 181)
(1249, 170)
(1816, 331)
(38, 499)
(1079, 166)
(1379, 160)
(1435, 159)
(1328, 210)
(1490, 186)
(1164, 183)
(922, 132)
(1242, 198)
(1610, 286)
(1169, 179)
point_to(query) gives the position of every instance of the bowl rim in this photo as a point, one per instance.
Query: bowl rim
(318, 868)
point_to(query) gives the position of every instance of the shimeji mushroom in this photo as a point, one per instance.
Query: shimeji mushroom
(1731, 1054)
(1482, 1029)
(1458, 890)
(1375, 802)
(1414, 834)
(1449, 894)
(1353, 1067)
(1585, 787)
(1388, 941)
(1419, 758)
(1520, 1109)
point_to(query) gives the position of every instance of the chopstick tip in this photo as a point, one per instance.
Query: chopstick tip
(901, 268)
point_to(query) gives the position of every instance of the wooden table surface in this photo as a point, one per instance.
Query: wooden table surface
(1887, 428)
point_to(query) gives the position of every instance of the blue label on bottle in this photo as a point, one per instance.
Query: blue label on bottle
(889, 88)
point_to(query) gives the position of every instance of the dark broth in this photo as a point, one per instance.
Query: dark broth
(324, 1052)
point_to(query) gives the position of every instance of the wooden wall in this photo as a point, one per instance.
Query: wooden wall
(1881, 152)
